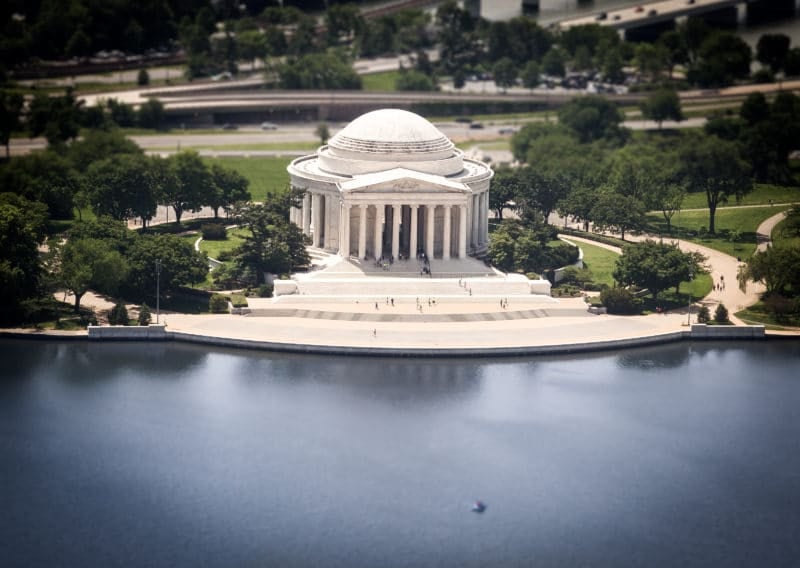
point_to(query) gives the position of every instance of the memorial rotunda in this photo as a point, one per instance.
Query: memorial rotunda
(391, 184)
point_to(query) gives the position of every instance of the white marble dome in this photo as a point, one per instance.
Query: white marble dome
(386, 138)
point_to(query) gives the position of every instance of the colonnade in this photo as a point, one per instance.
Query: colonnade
(369, 229)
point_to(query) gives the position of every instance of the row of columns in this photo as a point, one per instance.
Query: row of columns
(327, 221)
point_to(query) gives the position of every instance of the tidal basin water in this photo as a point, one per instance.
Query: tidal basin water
(172, 455)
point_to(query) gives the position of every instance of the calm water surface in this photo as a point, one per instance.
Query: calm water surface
(172, 455)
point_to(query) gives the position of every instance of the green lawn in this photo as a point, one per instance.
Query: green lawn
(305, 147)
(600, 261)
(761, 195)
(266, 174)
(383, 81)
(691, 225)
(214, 248)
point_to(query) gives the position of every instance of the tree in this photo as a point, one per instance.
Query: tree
(20, 267)
(151, 114)
(777, 267)
(531, 75)
(143, 78)
(650, 59)
(145, 317)
(319, 71)
(343, 22)
(714, 167)
(792, 63)
(654, 266)
(505, 187)
(181, 265)
(188, 185)
(661, 105)
(122, 114)
(123, 187)
(613, 66)
(252, 46)
(323, 133)
(57, 118)
(96, 145)
(229, 187)
(675, 48)
(539, 191)
(591, 117)
(616, 212)
(46, 177)
(505, 73)
(554, 62)
(413, 80)
(456, 36)
(10, 112)
(723, 57)
(772, 50)
(90, 264)
(118, 315)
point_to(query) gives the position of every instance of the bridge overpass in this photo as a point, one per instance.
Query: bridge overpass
(662, 14)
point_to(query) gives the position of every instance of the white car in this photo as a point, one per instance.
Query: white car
(269, 126)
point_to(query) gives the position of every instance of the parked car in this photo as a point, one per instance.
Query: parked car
(269, 126)
(476, 125)
(601, 16)
(224, 76)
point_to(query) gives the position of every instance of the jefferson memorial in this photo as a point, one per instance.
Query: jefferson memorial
(391, 185)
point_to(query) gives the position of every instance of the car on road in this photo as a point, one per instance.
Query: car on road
(476, 125)
(229, 126)
(224, 76)
(269, 126)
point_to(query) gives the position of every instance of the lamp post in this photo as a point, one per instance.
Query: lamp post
(689, 306)
(158, 288)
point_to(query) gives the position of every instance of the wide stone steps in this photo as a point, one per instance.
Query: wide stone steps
(491, 286)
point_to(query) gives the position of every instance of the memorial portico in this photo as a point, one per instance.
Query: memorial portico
(390, 184)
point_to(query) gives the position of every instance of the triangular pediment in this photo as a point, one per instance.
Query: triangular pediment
(402, 181)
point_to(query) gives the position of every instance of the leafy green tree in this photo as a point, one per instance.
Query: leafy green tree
(583, 59)
(597, 39)
(792, 62)
(615, 212)
(723, 58)
(554, 62)
(11, 105)
(413, 80)
(118, 315)
(343, 22)
(121, 114)
(772, 50)
(46, 177)
(96, 145)
(777, 267)
(90, 264)
(56, 118)
(143, 78)
(123, 187)
(229, 187)
(319, 71)
(661, 105)
(754, 109)
(713, 166)
(151, 114)
(304, 39)
(675, 48)
(145, 317)
(456, 36)
(721, 314)
(505, 73)
(651, 59)
(181, 265)
(620, 301)
(654, 266)
(591, 117)
(531, 75)
(540, 191)
(20, 267)
(252, 46)
(612, 66)
(323, 132)
(188, 186)
(506, 186)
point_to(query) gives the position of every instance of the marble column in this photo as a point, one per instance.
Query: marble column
(396, 210)
(379, 211)
(484, 216)
(362, 232)
(412, 246)
(430, 218)
(446, 239)
(316, 212)
(474, 220)
(462, 231)
(344, 239)
(307, 214)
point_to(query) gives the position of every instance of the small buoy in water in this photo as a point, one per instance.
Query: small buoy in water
(479, 507)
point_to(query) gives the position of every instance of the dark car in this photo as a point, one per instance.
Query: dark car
(229, 126)
(601, 16)
(476, 125)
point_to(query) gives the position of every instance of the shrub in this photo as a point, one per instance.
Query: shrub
(225, 256)
(213, 232)
(265, 291)
(721, 314)
(218, 304)
(703, 315)
(144, 315)
(143, 78)
(238, 300)
(620, 301)
(118, 315)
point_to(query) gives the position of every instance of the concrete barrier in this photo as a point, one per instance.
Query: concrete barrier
(703, 331)
(152, 332)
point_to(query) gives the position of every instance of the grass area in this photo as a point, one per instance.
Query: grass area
(266, 174)
(698, 288)
(383, 81)
(268, 146)
(214, 248)
(600, 261)
(758, 314)
(691, 225)
(761, 195)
